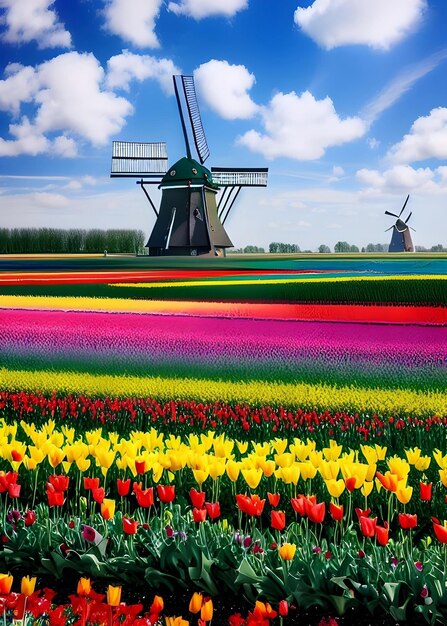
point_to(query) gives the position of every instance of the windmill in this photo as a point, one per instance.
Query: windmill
(401, 238)
(190, 221)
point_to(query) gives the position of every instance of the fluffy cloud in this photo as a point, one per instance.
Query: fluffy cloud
(122, 68)
(224, 88)
(70, 101)
(20, 86)
(403, 178)
(427, 139)
(301, 127)
(28, 20)
(376, 23)
(199, 9)
(134, 21)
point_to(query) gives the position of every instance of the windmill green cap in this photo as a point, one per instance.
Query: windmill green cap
(188, 170)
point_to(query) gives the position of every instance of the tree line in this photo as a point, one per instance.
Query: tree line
(71, 241)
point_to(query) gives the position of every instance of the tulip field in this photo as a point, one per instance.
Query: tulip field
(246, 441)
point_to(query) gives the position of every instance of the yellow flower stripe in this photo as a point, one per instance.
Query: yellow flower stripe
(69, 303)
(388, 401)
(280, 281)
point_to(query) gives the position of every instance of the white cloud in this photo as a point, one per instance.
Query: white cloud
(301, 127)
(224, 88)
(403, 179)
(379, 24)
(199, 9)
(70, 104)
(373, 143)
(28, 20)
(49, 200)
(20, 86)
(427, 139)
(134, 21)
(124, 67)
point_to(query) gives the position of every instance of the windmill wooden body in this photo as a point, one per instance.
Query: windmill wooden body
(192, 213)
(401, 238)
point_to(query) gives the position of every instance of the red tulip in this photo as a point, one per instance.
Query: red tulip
(440, 532)
(123, 487)
(273, 498)
(199, 515)
(251, 505)
(98, 495)
(278, 520)
(350, 483)
(30, 518)
(362, 513)
(145, 497)
(55, 498)
(14, 490)
(368, 525)
(166, 493)
(316, 512)
(197, 498)
(408, 521)
(129, 525)
(91, 483)
(140, 466)
(425, 490)
(283, 608)
(10, 478)
(213, 509)
(60, 483)
(382, 534)
(337, 511)
(298, 505)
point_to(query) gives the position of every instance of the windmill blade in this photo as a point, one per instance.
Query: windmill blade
(195, 119)
(389, 228)
(389, 213)
(405, 204)
(406, 221)
(413, 228)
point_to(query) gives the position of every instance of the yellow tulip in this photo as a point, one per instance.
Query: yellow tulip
(287, 551)
(404, 493)
(289, 475)
(113, 595)
(399, 467)
(413, 455)
(200, 476)
(367, 488)
(5, 583)
(443, 476)
(284, 460)
(423, 463)
(261, 449)
(83, 464)
(108, 508)
(232, 469)
(252, 477)
(223, 448)
(176, 621)
(30, 464)
(333, 452)
(335, 487)
(242, 446)
(369, 453)
(28, 585)
(195, 604)
(267, 466)
(279, 445)
(307, 470)
(329, 469)
(206, 612)
(84, 587)
(217, 468)
(55, 456)
(440, 460)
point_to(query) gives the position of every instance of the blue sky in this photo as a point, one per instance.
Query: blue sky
(344, 100)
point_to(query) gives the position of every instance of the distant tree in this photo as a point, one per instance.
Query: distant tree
(354, 249)
(342, 246)
(438, 248)
(324, 249)
(421, 249)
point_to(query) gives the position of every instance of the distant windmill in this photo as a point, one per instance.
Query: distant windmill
(401, 238)
(189, 220)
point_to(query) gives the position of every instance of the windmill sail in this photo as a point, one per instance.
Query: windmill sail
(195, 118)
(401, 237)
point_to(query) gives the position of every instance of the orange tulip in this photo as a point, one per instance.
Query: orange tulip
(195, 604)
(206, 611)
(28, 585)
(5, 583)
(84, 587)
(113, 595)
